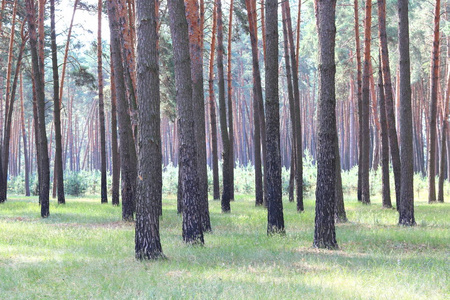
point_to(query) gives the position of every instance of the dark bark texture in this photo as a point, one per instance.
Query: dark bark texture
(324, 231)
(149, 182)
(192, 226)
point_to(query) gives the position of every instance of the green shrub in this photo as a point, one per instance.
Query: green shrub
(75, 183)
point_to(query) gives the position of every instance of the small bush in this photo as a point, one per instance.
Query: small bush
(75, 184)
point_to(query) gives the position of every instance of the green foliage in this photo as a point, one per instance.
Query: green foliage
(75, 184)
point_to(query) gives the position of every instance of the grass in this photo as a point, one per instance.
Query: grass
(84, 251)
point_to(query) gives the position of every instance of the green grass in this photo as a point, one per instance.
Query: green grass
(84, 251)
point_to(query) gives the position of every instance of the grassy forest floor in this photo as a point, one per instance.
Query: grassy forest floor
(84, 251)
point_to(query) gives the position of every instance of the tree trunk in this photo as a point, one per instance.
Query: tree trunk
(444, 142)
(44, 178)
(212, 107)
(198, 104)
(386, 189)
(340, 214)
(127, 147)
(58, 171)
(25, 143)
(257, 98)
(230, 103)
(149, 182)
(390, 113)
(101, 108)
(192, 226)
(406, 216)
(358, 96)
(365, 109)
(324, 231)
(226, 162)
(114, 143)
(434, 81)
(273, 172)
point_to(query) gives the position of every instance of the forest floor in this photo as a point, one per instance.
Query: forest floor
(84, 251)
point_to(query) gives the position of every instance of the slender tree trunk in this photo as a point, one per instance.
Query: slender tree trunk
(324, 231)
(406, 211)
(149, 183)
(434, 81)
(298, 121)
(444, 142)
(101, 107)
(365, 108)
(390, 113)
(58, 172)
(230, 103)
(257, 98)
(358, 96)
(212, 107)
(226, 189)
(44, 178)
(386, 189)
(273, 172)
(25, 143)
(192, 226)
(340, 214)
(114, 143)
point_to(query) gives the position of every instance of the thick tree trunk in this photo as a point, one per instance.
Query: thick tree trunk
(192, 226)
(58, 171)
(365, 108)
(386, 189)
(434, 81)
(390, 113)
(324, 231)
(273, 172)
(127, 147)
(149, 182)
(44, 178)
(406, 216)
(101, 107)
(198, 104)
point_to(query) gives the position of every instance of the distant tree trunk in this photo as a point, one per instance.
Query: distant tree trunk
(386, 189)
(149, 182)
(114, 144)
(230, 103)
(25, 144)
(358, 95)
(390, 114)
(434, 81)
(273, 172)
(406, 211)
(198, 98)
(365, 108)
(226, 162)
(212, 107)
(340, 214)
(298, 127)
(444, 141)
(257, 98)
(44, 178)
(56, 109)
(127, 146)
(324, 231)
(101, 107)
(192, 226)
